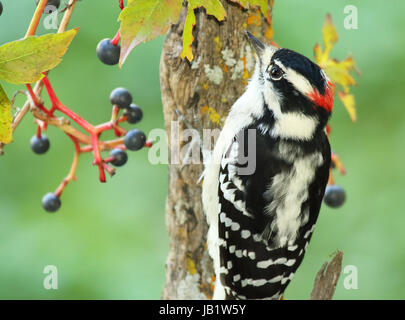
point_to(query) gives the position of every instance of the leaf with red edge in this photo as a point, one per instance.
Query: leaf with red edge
(144, 20)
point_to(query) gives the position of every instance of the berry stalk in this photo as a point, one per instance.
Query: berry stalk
(57, 105)
(116, 38)
(72, 173)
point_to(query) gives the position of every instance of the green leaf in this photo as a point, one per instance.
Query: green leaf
(144, 20)
(263, 5)
(5, 118)
(23, 61)
(212, 7)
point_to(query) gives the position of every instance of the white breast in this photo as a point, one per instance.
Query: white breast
(241, 115)
(289, 190)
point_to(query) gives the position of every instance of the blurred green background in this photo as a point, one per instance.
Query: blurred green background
(109, 241)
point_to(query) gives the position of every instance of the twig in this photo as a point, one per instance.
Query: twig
(62, 124)
(72, 173)
(67, 16)
(327, 278)
(36, 18)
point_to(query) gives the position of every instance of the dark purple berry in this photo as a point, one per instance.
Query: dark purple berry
(121, 98)
(135, 140)
(134, 114)
(334, 196)
(1, 8)
(50, 202)
(40, 145)
(120, 157)
(108, 53)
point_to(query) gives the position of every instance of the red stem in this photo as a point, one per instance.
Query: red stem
(116, 39)
(109, 125)
(109, 159)
(39, 132)
(39, 105)
(111, 171)
(86, 149)
(61, 187)
(97, 157)
(121, 4)
(57, 105)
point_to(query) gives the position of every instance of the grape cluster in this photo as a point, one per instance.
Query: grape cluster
(134, 140)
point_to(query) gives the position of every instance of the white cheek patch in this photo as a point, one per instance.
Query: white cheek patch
(299, 82)
(272, 98)
(294, 125)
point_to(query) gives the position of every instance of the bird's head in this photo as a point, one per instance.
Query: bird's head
(296, 91)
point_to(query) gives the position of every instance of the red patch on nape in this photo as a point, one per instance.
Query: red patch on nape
(326, 100)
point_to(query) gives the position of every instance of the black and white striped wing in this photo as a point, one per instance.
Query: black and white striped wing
(252, 265)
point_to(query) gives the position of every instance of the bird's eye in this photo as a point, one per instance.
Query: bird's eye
(276, 73)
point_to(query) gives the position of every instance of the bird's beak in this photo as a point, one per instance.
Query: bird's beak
(256, 43)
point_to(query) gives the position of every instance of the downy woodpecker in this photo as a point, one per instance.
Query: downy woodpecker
(260, 222)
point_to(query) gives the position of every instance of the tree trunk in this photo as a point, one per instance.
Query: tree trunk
(223, 62)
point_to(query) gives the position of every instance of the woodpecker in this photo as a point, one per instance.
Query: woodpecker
(260, 222)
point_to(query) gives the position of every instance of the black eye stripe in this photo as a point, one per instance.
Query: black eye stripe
(302, 65)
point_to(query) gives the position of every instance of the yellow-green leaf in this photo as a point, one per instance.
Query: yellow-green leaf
(188, 35)
(338, 71)
(329, 33)
(144, 20)
(23, 61)
(349, 103)
(5, 118)
(263, 5)
(212, 7)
